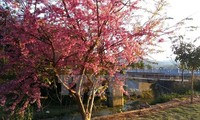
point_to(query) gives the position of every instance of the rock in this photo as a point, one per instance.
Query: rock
(145, 105)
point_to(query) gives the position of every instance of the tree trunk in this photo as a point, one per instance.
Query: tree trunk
(86, 111)
(192, 86)
(86, 114)
(182, 75)
(86, 117)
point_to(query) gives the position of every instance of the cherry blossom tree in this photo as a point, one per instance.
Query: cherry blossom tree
(82, 39)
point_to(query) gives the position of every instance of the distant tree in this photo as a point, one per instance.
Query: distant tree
(182, 50)
(193, 64)
(189, 56)
(149, 67)
(137, 65)
(182, 36)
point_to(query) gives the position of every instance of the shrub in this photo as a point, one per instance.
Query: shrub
(147, 94)
(197, 86)
(165, 98)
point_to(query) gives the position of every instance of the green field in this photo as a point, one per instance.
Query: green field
(187, 112)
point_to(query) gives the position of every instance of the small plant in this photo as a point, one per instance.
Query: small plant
(147, 95)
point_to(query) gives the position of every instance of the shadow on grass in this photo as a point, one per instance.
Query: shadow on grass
(57, 112)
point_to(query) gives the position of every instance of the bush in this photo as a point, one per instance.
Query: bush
(197, 86)
(147, 94)
(182, 88)
(165, 98)
(28, 114)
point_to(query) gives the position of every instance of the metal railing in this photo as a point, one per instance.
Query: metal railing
(175, 72)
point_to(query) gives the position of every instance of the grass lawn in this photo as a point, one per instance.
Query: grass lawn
(187, 112)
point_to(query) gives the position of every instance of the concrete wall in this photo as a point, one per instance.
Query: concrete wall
(136, 87)
(144, 86)
(115, 96)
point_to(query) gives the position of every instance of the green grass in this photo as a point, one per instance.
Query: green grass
(188, 112)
